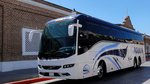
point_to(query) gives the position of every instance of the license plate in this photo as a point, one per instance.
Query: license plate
(51, 74)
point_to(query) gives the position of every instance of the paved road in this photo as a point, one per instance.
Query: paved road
(127, 76)
(18, 75)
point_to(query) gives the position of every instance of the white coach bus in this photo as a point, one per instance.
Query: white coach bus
(80, 46)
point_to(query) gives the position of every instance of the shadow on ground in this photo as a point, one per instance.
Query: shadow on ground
(126, 76)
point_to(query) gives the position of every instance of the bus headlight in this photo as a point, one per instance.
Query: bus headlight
(68, 65)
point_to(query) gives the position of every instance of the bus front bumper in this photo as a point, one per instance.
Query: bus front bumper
(60, 69)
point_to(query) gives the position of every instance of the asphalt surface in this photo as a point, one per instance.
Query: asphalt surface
(18, 75)
(126, 76)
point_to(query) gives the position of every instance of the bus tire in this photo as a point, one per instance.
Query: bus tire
(101, 69)
(139, 61)
(135, 63)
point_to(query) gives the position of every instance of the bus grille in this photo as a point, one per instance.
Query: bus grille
(54, 74)
(49, 67)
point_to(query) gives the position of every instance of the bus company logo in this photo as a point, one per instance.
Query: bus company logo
(138, 50)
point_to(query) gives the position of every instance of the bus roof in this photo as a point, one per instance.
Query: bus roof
(95, 20)
(99, 21)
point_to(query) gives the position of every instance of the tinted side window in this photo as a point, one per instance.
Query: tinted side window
(86, 40)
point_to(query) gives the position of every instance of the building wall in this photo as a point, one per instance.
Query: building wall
(147, 45)
(1, 12)
(14, 16)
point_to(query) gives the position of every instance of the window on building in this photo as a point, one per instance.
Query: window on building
(30, 47)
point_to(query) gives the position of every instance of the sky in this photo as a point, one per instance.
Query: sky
(113, 11)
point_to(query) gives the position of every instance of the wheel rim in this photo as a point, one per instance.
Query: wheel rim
(100, 71)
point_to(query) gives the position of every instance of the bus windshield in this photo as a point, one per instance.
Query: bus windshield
(55, 41)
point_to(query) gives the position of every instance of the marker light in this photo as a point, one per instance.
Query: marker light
(68, 65)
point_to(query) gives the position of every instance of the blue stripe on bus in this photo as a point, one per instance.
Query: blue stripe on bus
(117, 62)
(116, 52)
(112, 61)
(106, 47)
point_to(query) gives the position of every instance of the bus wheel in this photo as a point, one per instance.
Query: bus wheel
(139, 62)
(135, 63)
(101, 69)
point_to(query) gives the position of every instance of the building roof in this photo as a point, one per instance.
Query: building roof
(53, 5)
(49, 6)
(127, 23)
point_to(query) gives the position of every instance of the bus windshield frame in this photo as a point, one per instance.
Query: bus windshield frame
(55, 41)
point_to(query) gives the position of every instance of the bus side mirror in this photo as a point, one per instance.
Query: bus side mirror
(70, 30)
(72, 26)
(32, 32)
